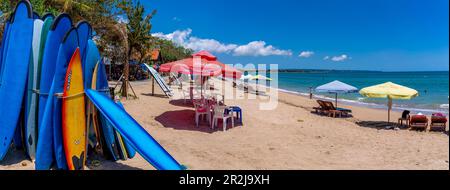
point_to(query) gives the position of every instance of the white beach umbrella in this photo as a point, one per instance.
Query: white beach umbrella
(336, 87)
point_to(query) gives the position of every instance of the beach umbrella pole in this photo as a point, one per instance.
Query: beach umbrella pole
(336, 100)
(389, 110)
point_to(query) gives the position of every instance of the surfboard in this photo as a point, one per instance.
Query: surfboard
(48, 22)
(93, 120)
(106, 128)
(31, 97)
(14, 72)
(4, 47)
(130, 129)
(130, 150)
(66, 52)
(36, 16)
(92, 58)
(84, 33)
(45, 149)
(74, 121)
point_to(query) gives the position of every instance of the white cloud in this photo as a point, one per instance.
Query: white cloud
(340, 58)
(256, 48)
(326, 58)
(259, 48)
(306, 54)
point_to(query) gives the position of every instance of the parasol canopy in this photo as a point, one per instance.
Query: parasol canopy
(336, 87)
(391, 91)
(202, 63)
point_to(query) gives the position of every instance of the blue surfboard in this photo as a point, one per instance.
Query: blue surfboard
(30, 119)
(108, 131)
(14, 72)
(137, 136)
(84, 34)
(4, 47)
(36, 16)
(92, 58)
(44, 151)
(66, 50)
(130, 150)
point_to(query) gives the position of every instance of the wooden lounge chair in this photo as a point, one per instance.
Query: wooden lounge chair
(438, 122)
(321, 109)
(419, 122)
(333, 111)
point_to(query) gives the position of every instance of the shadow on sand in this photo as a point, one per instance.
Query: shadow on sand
(184, 120)
(181, 103)
(325, 115)
(155, 95)
(110, 165)
(14, 156)
(383, 125)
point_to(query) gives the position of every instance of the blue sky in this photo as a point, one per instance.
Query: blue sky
(383, 35)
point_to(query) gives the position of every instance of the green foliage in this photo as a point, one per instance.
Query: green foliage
(104, 16)
(170, 51)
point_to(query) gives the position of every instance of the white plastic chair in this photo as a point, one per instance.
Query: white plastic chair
(219, 113)
(201, 110)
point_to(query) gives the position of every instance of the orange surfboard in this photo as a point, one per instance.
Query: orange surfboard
(74, 116)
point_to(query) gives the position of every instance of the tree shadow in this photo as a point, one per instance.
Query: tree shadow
(154, 95)
(380, 125)
(185, 120)
(110, 165)
(181, 103)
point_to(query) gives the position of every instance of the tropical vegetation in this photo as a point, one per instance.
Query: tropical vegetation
(122, 28)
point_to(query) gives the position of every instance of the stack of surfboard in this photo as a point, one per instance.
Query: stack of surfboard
(46, 66)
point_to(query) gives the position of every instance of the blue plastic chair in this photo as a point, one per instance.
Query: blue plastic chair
(238, 111)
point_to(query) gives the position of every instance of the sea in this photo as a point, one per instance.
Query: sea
(433, 88)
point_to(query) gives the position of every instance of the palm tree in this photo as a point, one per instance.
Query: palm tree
(138, 35)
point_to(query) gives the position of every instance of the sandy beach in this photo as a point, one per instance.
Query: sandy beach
(290, 137)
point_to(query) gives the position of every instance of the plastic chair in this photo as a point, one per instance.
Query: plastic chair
(238, 111)
(220, 113)
(201, 110)
(405, 117)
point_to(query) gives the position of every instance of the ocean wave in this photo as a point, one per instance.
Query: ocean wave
(360, 102)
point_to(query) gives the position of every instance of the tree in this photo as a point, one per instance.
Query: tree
(171, 51)
(138, 34)
(122, 27)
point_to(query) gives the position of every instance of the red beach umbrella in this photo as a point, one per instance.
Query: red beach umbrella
(198, 63)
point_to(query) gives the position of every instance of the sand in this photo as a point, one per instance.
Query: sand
(290, 137)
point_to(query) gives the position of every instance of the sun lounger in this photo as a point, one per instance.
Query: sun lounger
(322, 109)
(438, 122)
(333, 111)
(418, 122)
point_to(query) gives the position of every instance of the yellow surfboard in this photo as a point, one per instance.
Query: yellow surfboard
(74, 115)
(92, 118)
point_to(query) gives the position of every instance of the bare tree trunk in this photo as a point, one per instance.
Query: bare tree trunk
(126, 75)
(126, 64)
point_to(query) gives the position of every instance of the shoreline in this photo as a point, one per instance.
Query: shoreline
(348, 102)
(427, 111)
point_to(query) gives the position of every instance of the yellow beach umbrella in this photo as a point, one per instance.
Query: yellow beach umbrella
(391, 91)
